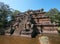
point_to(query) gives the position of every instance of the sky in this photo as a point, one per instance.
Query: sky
(23, 5)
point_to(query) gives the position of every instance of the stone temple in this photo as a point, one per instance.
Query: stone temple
(33, 21)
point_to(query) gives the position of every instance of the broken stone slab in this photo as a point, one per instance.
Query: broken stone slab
(44, 40)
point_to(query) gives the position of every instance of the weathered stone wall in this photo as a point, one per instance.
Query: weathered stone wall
(21, 21)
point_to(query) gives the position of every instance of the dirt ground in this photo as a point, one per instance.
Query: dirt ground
(53, 38)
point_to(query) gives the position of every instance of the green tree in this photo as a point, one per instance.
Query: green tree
(15, 13)
(5, 11)
(52, 13)
(57, 18)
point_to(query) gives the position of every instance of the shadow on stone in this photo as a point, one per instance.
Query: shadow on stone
(35, 31)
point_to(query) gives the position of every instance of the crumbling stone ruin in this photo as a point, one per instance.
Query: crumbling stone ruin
(33, 22)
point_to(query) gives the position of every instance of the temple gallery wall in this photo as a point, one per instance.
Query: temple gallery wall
(32, 21)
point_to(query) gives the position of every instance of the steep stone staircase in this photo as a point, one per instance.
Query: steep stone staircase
(21, 26)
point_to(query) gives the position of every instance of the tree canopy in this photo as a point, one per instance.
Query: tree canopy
(54, 15)
(5, 11)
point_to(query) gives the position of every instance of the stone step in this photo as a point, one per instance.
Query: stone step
(53, 32)
(21, 26)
